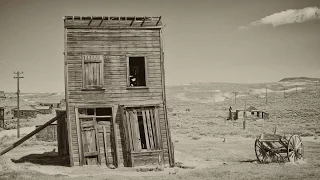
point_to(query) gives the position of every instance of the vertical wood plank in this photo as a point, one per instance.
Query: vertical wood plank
(83, 73)
(96, 133)
(149, 130)
(133, 129)
(105, 145)
(129, 130)
(138, 139)
(158, 131)
(153, 129)
(128, 71)
(101, 76)
(145, 128)
(79, 136)
(114, 113)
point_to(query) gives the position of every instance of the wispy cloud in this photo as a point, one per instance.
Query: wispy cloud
(289, 16)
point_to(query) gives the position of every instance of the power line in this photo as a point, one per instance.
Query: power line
(18, 77)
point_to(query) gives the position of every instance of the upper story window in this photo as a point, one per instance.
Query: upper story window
(92, 72)
(136, 71)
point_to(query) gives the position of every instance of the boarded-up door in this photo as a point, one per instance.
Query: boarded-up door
(90, 141)
(143, 135)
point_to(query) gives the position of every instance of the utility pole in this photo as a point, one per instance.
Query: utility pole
(18, 101)
(296, 90)
(284, 92)
(266, 96)
(235, 97)
(244, 115)
(317, 87)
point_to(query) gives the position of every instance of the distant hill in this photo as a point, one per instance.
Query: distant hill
(299, 79)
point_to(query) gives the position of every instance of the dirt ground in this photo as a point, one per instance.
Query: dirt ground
(204, 158)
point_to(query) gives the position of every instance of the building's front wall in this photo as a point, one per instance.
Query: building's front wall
(114, 45)
(25, 114)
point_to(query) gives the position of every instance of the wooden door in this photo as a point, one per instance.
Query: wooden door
(89, 142)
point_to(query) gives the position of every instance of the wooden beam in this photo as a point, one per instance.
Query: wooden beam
(114, 114)
(67, 99)
(105, 145)
(171, 157)
(97, 140)
(158, 21)
(20, 141)
(79, 137)
(134, 19)
(90, 21)
(144, 19)
(101, 21)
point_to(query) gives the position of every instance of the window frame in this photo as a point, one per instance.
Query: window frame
(83, 62)
(128, 56)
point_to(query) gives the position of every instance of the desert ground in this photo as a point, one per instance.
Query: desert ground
(207, 146)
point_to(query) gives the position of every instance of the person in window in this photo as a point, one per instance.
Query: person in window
(133, 77)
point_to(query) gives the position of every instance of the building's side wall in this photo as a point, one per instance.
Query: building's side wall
(114, 44)
(48, 134)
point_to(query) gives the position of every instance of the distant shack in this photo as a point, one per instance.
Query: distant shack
(25, 112)
(52, 103)
(250, 113)
(43, 109)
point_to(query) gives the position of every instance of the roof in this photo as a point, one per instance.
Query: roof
(49, 101)
(251, 108)
(26, 108)
(42, 107)
(43, 118)
(112, 21)
(12, 102)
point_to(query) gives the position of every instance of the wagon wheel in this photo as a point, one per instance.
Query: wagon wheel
(262, 152)
(295, 149)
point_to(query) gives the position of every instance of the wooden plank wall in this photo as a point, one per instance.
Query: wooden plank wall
(114, 45)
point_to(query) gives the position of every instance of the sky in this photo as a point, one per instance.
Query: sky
(239, 41)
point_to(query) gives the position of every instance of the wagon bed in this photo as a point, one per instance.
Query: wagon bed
(277, 148)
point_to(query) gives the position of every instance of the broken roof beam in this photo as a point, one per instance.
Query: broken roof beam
(143, 21)
(133, 20)
(90, 21)
(158, 21)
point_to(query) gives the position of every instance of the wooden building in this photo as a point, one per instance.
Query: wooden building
(25, 112)
(47, 134)
(115, 91)
(43, 109)
(51, 104)
(250, 113)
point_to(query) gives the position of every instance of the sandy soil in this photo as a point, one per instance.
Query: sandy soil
(205, 158)
(13, 132)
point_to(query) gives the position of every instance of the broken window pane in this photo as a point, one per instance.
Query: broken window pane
(137, 72)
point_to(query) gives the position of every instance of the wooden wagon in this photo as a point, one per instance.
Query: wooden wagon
(277, 148)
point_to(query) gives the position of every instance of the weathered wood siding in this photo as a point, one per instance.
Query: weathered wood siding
(114, 45)
(47, 134)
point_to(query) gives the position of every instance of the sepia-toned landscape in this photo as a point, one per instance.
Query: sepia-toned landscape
(207, 145)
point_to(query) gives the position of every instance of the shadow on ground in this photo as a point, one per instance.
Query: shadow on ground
(47, 158)
(249, 161)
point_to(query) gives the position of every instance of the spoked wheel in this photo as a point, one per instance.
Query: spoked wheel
(261, 151)
(295, 149)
